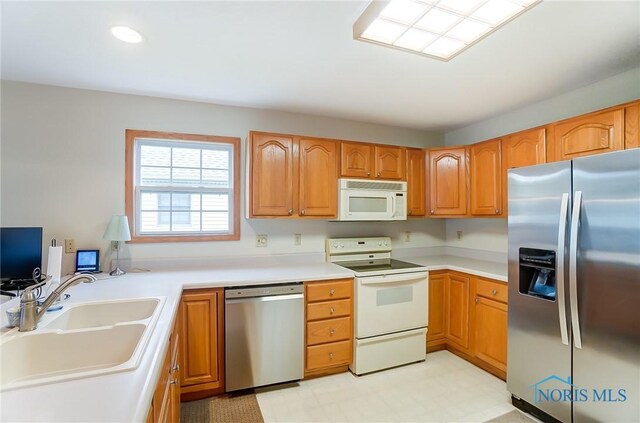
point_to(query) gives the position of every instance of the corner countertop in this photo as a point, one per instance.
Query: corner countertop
(126, 396)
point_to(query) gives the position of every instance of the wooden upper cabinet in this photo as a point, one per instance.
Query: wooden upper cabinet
(632, 126)
(448, 181)
(272, 175)
(586, 135)
(526, 148)
(318, 178)
(486, 178)
(389, 162)
(457, 298)
(202, 353)
(356, 159)
(416, 183)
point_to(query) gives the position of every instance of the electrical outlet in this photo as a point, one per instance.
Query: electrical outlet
(407, 236)
(459, 235)
(297, 239)
(69, 246)
(261, 240)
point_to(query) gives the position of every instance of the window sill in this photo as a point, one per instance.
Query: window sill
(141, 239)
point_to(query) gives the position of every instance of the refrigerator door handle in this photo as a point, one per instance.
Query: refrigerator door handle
(562, 230)
(573, 269)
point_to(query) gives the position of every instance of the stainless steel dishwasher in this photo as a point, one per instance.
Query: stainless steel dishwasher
(264, 335)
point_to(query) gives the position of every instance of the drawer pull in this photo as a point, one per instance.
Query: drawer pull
(477, 300)
(332, 331)
(494, 292)
(330, 356)
(332, 291)
(332, 310)
(290, 212)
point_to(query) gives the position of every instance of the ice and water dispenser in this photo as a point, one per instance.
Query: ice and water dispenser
(538, 273)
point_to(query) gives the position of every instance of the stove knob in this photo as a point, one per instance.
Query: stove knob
(379, 243)
(386, 244)
(341, 245)
(335, 245)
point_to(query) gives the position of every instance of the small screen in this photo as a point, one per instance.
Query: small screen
(20, 252)
(87, 261)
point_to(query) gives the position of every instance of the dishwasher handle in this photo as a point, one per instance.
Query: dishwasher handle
(264, 298)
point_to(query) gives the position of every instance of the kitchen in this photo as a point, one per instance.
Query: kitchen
(286, 159)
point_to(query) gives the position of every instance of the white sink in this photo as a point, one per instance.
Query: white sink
(92, 315)
(85, 340)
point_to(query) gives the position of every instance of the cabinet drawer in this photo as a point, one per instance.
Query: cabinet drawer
(328, 309)
(493, 290)
(329, 355)
(328, 331)
(321, 291)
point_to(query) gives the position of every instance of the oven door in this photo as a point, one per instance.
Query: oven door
(391, 303)
(366, 205)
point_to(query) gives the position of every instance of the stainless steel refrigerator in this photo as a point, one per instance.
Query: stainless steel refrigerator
(574, 288)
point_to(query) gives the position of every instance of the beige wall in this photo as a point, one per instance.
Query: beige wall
(491, 234)
(62, 167)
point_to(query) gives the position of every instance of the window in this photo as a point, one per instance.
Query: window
(182, 187)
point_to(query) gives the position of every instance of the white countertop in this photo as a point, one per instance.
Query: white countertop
(126, 396)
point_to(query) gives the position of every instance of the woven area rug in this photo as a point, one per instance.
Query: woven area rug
(222, 409)
(512, 417)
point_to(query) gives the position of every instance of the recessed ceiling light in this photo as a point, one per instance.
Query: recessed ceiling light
(435, 28)
(126, 34)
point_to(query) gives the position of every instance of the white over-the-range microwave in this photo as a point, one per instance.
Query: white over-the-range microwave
(360, 199)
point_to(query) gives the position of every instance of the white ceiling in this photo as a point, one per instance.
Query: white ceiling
(300, 56)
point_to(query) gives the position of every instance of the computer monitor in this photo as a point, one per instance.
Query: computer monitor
(20, 252)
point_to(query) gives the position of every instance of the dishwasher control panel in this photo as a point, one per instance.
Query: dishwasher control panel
(251, 291)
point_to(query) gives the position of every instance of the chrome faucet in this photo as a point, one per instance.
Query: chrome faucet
(30, 314)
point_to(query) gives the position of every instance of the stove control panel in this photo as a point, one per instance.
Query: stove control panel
(358, 245)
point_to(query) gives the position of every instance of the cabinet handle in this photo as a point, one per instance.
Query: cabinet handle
(494, 292)
(432, 211)
(174, 382)
(330, 356)
(332, 331)
(368, 173)
(497, 211)
(332, 310)
(290, 212)
(477, 300)
(410, 211)
(176, 368)
(332, 291)
(302, 212)
(379, 174)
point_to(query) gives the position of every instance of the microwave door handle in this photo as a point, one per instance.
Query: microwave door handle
(393, 204)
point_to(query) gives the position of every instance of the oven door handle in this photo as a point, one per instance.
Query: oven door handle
(405, 278)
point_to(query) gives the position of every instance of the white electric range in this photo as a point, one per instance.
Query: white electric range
(390, 303)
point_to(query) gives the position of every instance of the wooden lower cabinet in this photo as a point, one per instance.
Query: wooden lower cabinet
(328, 326)
(468, 316)
(165, 405)
(202, 343)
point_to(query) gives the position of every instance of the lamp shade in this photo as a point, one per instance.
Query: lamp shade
(118, 229)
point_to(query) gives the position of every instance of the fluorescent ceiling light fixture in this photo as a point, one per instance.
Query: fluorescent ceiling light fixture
(439, 29)
(126, 34)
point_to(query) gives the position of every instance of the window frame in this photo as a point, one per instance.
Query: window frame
(130, 189)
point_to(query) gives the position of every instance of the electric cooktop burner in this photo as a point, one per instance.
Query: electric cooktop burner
(380, 265)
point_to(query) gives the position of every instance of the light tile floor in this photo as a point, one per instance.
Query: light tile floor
(444, 388)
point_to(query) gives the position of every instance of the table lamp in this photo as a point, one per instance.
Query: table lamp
(117, 230)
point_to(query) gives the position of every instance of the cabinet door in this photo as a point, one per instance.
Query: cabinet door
(437, 307)
(202, 327)
(490, 333)
(389, 162)
(272, 175)
(318, 178)
(587, 135)
(525, 148)
(174, 343)
(448, 182)
(416, 180)
(356, 160)
(632, 126)
(457, 322)
(486, 178)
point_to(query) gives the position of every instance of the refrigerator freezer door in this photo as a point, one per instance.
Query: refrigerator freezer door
(608, 286)
(535, 346)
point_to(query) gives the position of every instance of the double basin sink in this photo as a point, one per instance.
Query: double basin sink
(83, 340)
